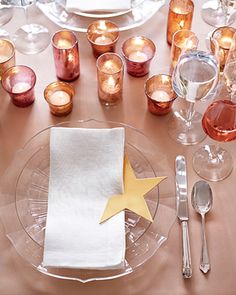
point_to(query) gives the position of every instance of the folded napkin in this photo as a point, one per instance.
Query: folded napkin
(97, 5)
(86, 168)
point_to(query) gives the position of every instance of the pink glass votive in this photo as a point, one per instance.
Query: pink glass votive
(180, 17)
(66, 55)
(160, 94)
(7, 56)
(103, 36)
(182, 40)
(138, 53)
(59, 96)
(110, 71)
(19, 82)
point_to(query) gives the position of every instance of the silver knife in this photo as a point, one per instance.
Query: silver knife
(182, 212)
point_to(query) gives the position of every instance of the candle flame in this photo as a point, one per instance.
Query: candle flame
(138, 41)
(181, 24)
(102, 25)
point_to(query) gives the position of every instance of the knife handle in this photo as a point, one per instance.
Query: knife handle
(187, 268)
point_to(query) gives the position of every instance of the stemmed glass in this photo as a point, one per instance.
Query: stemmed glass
(219, 13)
(194, 77)
(6, 13)
(30, 38)
(219, 122)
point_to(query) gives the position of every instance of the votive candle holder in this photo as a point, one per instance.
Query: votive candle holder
(7, 55)
(66, 55)
(19, 82)
(110, 71)
(59, 96)
(224, 38)
(138, 53)
(160, 94)
(180, 17)
(103, 36)
(182, 40)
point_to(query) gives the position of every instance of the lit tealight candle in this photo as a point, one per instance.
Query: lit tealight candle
(3, 58)
(103, 40)
(138, 56)
(160, 96)
(110, 86)
(59, 98)
(21, 87)
(63, 44)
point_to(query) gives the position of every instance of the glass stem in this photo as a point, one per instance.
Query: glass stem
(190, 114)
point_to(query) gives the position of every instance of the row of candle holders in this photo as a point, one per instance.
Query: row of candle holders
(138, 52)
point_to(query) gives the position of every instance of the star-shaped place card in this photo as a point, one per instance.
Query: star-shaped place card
(133, 196)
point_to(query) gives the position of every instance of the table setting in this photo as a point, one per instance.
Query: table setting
(117, 144)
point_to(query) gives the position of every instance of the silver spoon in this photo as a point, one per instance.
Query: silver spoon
(202, 202)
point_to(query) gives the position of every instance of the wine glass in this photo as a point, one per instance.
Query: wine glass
(30, 38)
(212, 162)
(6, 13)
(194, 77)
(230, 70)
(219, 13)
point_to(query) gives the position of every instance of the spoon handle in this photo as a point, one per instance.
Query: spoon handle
(204, 262)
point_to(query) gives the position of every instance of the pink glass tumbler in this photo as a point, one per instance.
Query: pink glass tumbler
(66, 55)
(138, 53)
(19, 82)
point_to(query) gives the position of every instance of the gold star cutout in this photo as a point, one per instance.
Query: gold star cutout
(133, 196)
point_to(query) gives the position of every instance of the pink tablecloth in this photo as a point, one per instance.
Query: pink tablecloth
(162, 274)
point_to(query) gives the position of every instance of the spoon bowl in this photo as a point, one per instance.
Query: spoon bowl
(202, 200)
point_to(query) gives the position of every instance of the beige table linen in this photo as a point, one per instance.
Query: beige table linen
(162, 274)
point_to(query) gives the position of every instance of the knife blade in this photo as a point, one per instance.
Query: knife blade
(182, 212)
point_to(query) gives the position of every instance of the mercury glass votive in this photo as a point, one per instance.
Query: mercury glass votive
(19, 82)
(180, 17)
(103, 36)
(138, 53)
(182, 40)
(160, 94)
(224, 37)
(110, 71)
(59, 96)
(7, 56)
(66, 55)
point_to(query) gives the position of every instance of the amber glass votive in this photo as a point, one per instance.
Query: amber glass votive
(180, 17)
(138, 53)
(59, 96)
(103, 36)
(19, 82)
(7, 56)
(182, 40)
(224, 37)
(110, 71)
(66, 55)
(160, 94)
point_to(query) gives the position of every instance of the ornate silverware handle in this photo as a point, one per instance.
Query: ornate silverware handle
(205, 261)
(187, 268)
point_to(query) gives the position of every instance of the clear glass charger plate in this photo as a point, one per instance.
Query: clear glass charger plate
(141, 11)
(24, 193)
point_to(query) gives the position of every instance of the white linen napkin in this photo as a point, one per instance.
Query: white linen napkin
(86, 168)
(97, 5)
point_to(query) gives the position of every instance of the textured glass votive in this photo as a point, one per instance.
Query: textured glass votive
(138, 53)
(59, 96)
(224, 37)
(180, 17)
(110, 71)
(160, 94)
(103, 36)
(19, 82)
(66, 55)
(182, 40)
(7, 56)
